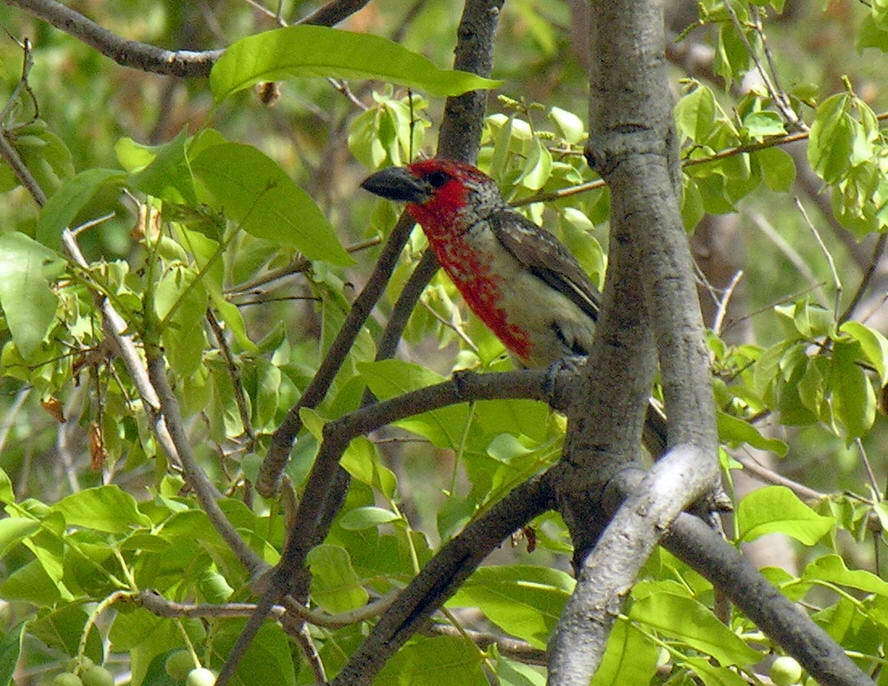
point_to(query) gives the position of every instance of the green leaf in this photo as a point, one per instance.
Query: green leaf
(691, 622)
(25, 296)
(320, 51)
(776, 509)
(511, 673)
(334, 584)
(524, 601)
(854, 400)
(778, 168)
(182, 336)
(10, 649)
(832, 568)
(570, 126)
(695, 114)
(712, 675)
(104, 508)
(874, 345)
(831, 139)
(735, 431)
(367, 517)
(538, 167)
(62, 628)
(434, 662)
(251, 189)
(66, 203)
(268, 660)
(388, 378)
(31, 583)
(763, 123)
(13, 530)
(7, 493)
(167, 176)
(630, 657)
(361, 459)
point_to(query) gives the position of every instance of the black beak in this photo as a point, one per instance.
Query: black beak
(397, 183)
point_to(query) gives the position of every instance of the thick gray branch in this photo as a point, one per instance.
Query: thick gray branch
(632, 145)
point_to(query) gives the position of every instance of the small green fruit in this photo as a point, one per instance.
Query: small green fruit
(96, 676)
(178, 665)
(785, 671)
(201, 676)
(66, 679)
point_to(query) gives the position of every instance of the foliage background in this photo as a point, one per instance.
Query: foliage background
(326, 144)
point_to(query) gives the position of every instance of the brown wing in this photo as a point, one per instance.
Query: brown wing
(545, 257)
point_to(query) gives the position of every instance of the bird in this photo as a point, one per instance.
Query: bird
(517, 277)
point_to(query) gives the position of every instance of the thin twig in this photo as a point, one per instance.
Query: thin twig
(867, 278)
(282, 439)
(790, 253)
(725, 300)
(837, 283)
(777, 97)
(770, 476)
(297, 266)
(240, 398)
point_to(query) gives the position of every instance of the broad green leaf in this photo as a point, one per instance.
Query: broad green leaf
(251, 189)
(62, 628)
(66, 203)
(13, 530)
(776, 509)
(832, 138)
(569, 125)
(692, 209)
(538, 167)
(735, 431)
(695, 114)
(25, 296)
(434, 662)
(832, 568)
(511, 673)
(10, 649)
(362, 460)
(630, 657)
(874, 345)
(367, 517)
(268, 660)
(182, 336)
(764, 123)
(167, 176)
(854, 400)
(711, 675)
(320, 51)
(334, 584)
(389, 378)
(32, 584)
(691, 622)
(524, 601)
(778, 168)
(104, 508)
(7, 494)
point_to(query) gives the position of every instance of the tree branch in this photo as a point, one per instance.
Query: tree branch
(440, 577)
(150, 58)
(702, 548)
(650, 284)
(127, 53)
(282, 439)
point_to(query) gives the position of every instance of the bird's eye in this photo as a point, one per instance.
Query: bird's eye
(437, 178)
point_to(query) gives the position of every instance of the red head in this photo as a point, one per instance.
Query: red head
(442, 195)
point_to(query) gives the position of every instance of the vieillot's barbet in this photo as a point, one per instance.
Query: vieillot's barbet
(517, 277)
